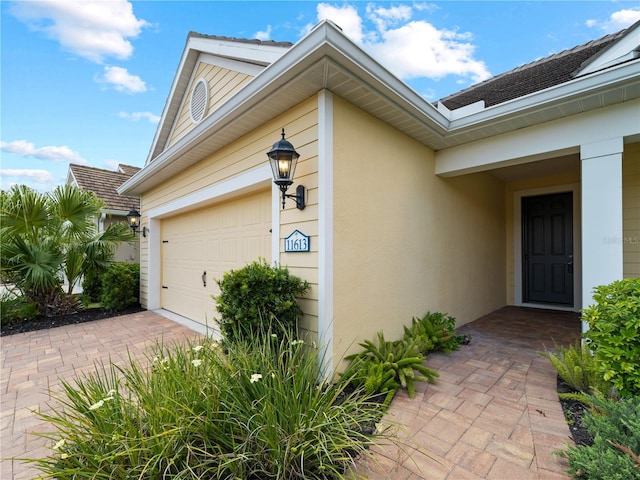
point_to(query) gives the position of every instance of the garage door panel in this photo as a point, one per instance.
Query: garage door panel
(216, 239)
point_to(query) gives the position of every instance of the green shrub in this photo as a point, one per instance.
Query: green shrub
(580, 368)
(614, 333)
(251, 411)
(615, 453)
(435, 332)
(387, 366)
(258, 298)
(92, 286)
(16, 309)
(121, 286)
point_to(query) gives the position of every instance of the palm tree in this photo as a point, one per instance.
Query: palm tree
(48, 237)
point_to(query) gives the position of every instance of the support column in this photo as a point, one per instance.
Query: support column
(601, 169)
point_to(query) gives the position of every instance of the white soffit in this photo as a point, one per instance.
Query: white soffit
(326, 59)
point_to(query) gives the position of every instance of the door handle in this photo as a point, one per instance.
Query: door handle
(570, 264)
(204, 278)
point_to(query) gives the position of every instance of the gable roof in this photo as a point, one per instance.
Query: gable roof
(105, 183)
(327, 60)
(255, 52)
(533, 77)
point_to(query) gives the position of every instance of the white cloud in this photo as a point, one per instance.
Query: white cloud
(617, 20)
(264, 35)
(137, 116)
(23, 148)
(91, 29)
(122, 80)
(20, 175)
(346, 17)
(409, 48)
(418, 49)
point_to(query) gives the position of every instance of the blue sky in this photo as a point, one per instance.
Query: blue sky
(86, 82)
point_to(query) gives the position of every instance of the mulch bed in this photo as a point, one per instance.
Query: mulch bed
(574, 412)
(42, 322)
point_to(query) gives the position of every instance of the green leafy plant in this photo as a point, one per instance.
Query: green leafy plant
(257, 298)
(580, 368)
(45, 237)
(252, 410)
(386, 366)
(92, 285)
(120, 286)
(615, 453)
(614, 333)
(435, 332)
(16, 309)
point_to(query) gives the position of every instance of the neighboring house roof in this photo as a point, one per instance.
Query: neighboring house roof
(105, 183)
(327, 60)
(128, 169)
(533, 77)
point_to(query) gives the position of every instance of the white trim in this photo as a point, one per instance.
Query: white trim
(247, 182)
(275, 223)
(574, 188)
(230, 64)
(210, 332)
(602, 213)
(325, 227)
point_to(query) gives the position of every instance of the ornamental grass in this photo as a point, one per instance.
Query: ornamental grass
(253, 410)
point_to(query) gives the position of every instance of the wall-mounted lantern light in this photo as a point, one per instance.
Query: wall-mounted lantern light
(133, 219)
(283, 159)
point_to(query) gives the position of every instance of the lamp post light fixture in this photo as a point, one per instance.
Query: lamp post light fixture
(133, 219)
(283, 159)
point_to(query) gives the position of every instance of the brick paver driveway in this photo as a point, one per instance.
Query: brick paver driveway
(494, 413)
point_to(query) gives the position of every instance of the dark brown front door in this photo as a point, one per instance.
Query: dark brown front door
(547, 224)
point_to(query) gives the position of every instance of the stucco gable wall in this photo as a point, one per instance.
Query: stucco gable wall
(245, 155)
(631, 209)
(406, 241)
(223, 83)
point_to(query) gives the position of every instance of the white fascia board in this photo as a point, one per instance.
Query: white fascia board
(625, 73)
(556, 138)
(259, 54)
(174, 100)
(325, 40)
(624, 49)
(71, 178)
(252, 69)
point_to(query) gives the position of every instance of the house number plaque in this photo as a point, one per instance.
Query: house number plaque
(296, 242)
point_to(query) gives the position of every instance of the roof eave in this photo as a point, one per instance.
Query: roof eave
(325, 43)
(617, 77)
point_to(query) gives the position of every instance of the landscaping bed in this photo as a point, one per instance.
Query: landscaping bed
(42, 322)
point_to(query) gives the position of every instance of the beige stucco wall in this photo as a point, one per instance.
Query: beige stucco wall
(511, 188)
(406, 241)
(631, 209)
(244, 155)
(223, 83)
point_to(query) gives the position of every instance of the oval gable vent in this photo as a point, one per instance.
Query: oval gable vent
(199, 100)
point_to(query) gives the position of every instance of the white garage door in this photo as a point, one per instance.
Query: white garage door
(199, 246)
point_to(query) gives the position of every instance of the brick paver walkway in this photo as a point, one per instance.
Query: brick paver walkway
(33, 363)
(494, 413)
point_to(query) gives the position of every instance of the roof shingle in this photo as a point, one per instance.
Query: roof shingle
(104, 183)
(533, 77)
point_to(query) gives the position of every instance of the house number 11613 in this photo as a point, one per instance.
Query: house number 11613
(297, 242)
